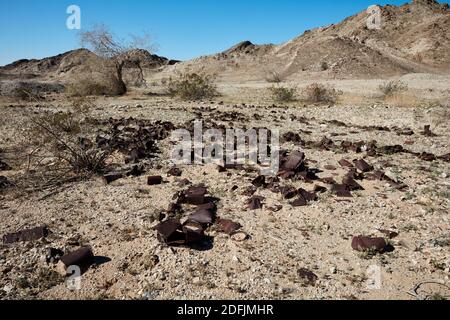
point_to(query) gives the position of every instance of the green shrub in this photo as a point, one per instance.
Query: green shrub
(192, 86)
(283, 94)
(391, 87)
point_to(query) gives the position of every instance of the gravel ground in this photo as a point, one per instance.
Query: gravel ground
(117, 220)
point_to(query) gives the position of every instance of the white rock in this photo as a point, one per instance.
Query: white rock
(8, 288)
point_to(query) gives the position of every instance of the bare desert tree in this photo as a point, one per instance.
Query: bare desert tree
(122, 52)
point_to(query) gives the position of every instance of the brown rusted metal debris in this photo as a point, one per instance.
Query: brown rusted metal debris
(195, 195)
(351, 184)
(427, 156)
(175, 172)
(376, 175)
(26, 235)
(341, 190)
(304, 197)
(308, 196)
(346, 163)
(255, 203)
(111, 177)
(169, 232)
(208, 206)
(259, 181)
(363, 166)
(154, 180)
(82, 258)
(379, 245)
(193, 231)
(173, 233)
(445, 157)
(228, 226)
(202, 216)
(292, 162)
(427, 131)
(288, 192)
(300, 202)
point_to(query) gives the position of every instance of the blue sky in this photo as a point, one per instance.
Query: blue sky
(183, 29)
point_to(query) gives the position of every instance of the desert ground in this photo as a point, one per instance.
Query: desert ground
(117, 220)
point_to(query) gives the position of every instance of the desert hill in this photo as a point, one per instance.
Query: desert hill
(76, 61)
(413, 38)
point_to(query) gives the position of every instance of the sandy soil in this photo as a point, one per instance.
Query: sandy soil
(117, 219)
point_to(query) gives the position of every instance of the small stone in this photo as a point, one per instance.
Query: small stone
(239, 236)
(8, 288)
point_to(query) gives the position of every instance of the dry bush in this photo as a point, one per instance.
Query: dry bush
(274, 77)
(418, 57)
(283, 94)
(192, 86)
(317, 93)
(63, 138)
(324, 66)
(58, 148)
(392, 87)
(102, 86)
(29, 91)
(24, 94)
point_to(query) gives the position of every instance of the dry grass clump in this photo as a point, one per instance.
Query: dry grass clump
(64, 140)
(392, 87)
(192, 86)
(283, 94)
(57, 148)
(402, 100)
(319, 93)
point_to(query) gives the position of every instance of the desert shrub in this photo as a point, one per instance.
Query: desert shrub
(418, 57)
(192, 86)
(62, 137)
(24, 94)
(283, 94)
(391, 87)
(60, 147)
(324, 66)
(274, 77)
(94, 87)
(316, 93)
(29, 91)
